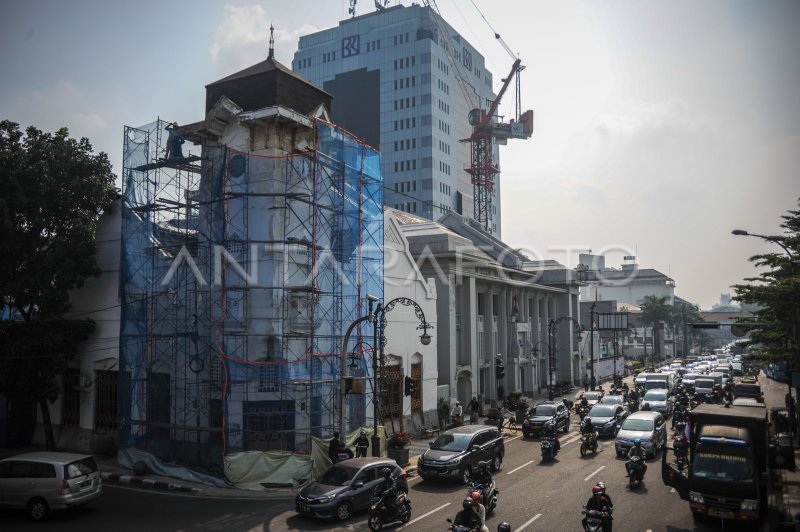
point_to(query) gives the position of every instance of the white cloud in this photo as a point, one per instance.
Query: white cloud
(242, 39)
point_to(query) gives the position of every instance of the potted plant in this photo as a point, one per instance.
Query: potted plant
(397, 447)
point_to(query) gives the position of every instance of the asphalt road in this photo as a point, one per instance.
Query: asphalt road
(533, 496)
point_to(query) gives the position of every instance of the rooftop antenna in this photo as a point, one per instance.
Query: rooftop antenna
(271, 42)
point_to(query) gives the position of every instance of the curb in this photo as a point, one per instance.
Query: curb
(149, 483)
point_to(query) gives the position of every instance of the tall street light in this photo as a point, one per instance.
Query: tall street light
(795, 326)
(552, 329)
(774, 240)
(379, 342)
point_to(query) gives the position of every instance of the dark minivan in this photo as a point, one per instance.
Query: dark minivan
(456, 453)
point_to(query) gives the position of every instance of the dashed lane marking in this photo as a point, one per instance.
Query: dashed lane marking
(529, 521)
(520, 467)
(423, 516)
(595, 472)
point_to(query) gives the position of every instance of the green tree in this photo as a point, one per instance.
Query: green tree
(655, 311)
(53, 190)
(776, 292)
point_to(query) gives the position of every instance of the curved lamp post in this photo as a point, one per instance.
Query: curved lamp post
(774, 240)
(379, 323)
(552, 329)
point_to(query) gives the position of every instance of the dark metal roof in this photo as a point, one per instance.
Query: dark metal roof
(267, 65)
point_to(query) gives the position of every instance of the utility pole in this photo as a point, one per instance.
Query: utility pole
(592, 380)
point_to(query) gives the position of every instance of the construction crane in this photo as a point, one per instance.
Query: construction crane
(488, 128)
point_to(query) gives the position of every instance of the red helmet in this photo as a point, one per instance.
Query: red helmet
(597, 490)
(475, 496)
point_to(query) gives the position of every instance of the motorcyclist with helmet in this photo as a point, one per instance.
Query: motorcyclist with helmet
(503, 527)
(483, 480)
(389, 492)
(587, 429)
(636, 450)
(600, 502)
(473, 513)
(551, 433)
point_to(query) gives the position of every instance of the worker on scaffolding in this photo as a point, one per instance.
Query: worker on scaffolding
(174, 143)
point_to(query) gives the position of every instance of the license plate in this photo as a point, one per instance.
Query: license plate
(725, 514)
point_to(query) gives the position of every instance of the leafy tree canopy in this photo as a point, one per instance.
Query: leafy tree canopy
(777, 292)
(53, 190)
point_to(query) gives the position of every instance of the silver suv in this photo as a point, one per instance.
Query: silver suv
(45, 481)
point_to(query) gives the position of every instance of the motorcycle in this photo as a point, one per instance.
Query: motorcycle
(582, 411)
(488, 495)
(637, 471)
(549, 450)
(383, 514)
(460, 528)
(633, 405)
(594, 520)
(681, 448)
(588, 443)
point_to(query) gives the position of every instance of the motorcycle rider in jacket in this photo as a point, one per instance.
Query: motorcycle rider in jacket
(600, 502)
(636, 450)
(389, 493)
(483, 478)
(551, 432)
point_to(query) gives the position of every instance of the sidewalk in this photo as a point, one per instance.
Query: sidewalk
(786, 498)
(115, 474)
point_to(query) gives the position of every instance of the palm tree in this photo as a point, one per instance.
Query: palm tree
(655, 311)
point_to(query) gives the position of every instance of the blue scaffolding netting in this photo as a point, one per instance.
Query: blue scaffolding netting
(240, 275)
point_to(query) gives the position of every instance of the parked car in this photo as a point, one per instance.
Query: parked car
(456, 453)
(43, 481)
(648, 426)
(555, 412)
(659, 401)
(605, 418)
(346, 488)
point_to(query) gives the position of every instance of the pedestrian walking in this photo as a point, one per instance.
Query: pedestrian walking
(361, 445)
(333, 448)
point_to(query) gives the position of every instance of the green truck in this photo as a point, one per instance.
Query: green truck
(730, 453)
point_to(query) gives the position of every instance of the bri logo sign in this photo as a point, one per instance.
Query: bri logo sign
(351, 46)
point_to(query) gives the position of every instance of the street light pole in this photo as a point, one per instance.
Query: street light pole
(742, 232)
(379, 342)
(592, 380)
(552, 328)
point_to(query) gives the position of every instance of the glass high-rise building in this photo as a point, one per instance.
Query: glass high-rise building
(404, 81)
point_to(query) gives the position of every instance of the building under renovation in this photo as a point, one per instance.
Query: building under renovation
(250, 242)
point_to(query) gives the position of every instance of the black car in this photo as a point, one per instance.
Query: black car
(456, 453)
(606, 417)
(346, 488)
(555, 412)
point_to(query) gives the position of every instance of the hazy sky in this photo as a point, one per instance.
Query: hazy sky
(660, 126)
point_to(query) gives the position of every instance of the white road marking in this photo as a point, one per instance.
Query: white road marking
(520, 467)
(512, 439)
(596, 472)
(529, 521)
(572, 440)
(423, 516)
(609, 442)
